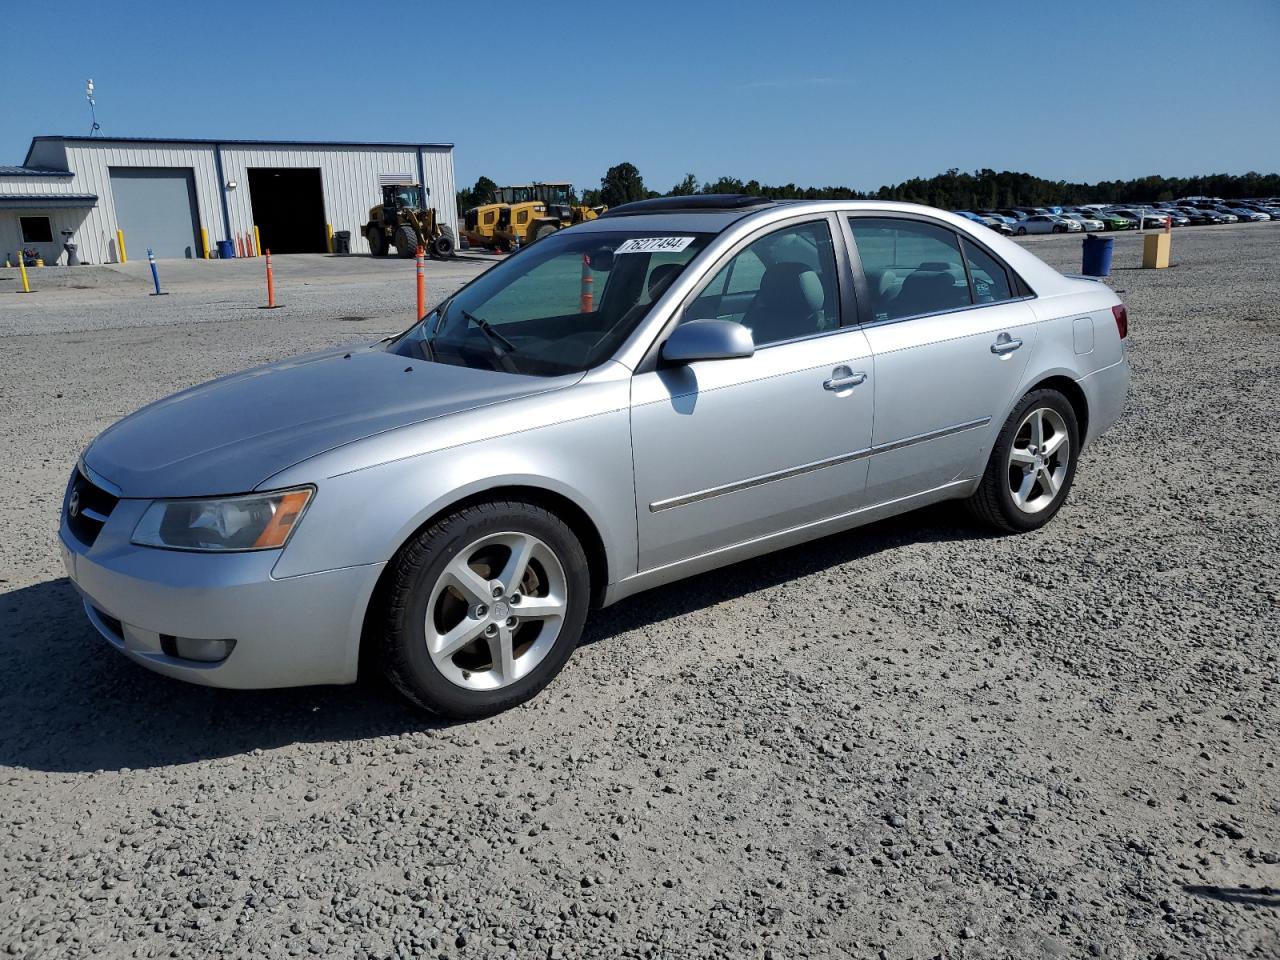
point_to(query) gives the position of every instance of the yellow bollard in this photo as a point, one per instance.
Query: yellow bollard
(204, 242)
(22, 265)
(121, 256)
(257, 242)
(328, 232)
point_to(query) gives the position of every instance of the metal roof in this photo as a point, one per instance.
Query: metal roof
(43, 201)
(8, 171)
(232, 142)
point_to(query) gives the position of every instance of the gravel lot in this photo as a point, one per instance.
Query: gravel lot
(915, 740)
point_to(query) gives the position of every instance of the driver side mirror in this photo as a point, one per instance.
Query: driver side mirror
(708, 340)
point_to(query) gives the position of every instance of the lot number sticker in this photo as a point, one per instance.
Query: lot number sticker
(654, 245)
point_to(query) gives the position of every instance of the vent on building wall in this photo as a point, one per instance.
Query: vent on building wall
(394, 179)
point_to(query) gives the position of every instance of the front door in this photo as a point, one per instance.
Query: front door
(727, 451)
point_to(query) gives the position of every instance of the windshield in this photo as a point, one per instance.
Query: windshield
(563, 305)
(557, 193)
(408, 196)
(513, 194)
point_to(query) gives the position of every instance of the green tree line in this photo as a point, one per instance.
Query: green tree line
(952, 190)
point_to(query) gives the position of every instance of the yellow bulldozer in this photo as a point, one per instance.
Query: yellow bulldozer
(519, 215)
(403, 222)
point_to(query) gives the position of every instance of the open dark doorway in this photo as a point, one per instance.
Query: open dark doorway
(288, 209)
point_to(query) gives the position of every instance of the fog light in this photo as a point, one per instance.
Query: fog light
(205, 651)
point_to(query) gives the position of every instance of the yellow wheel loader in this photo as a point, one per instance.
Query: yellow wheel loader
(401, 221)
(525, 213)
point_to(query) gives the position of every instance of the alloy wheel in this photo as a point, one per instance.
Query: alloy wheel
(496, 611)
(1038, 460)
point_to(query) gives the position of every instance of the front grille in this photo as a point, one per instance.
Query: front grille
(87, 508)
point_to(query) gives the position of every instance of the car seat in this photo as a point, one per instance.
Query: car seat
(790, 303)
(931, 286)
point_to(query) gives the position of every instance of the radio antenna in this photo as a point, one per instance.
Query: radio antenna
(93, 113)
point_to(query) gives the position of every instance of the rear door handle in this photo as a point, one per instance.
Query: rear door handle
(844, 382)
(1005, 344)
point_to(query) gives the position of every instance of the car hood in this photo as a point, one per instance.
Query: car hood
(229, 435)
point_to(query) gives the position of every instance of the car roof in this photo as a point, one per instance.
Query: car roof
(687, 215)
(734, 223)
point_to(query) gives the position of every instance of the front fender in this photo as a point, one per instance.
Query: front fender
(363, 514)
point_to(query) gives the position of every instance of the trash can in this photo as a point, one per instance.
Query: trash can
(342, 242)
(226, 250)
(1096, 261)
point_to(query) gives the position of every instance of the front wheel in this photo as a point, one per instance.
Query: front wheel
(406, 241)
(1022, 231)
(484, 608)
(1032, 465)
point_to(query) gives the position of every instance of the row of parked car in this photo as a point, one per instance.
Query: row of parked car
(1191, 211)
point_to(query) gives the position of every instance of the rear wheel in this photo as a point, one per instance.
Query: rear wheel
(1032, 465)
(406, 241)
(546, 230)
(377, 241)
(484, 608)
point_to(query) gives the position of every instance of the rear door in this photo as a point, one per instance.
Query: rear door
(951, 330)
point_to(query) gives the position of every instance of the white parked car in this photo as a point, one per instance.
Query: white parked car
(1088, 223)
(1047, 223)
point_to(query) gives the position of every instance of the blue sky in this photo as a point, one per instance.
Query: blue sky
(815, 93)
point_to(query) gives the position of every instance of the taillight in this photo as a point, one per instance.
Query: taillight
(1122, 319)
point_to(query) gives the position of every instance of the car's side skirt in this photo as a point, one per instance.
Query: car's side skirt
(737, 485)
(668, 573)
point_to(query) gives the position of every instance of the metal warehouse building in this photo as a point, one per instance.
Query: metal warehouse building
(176, 196)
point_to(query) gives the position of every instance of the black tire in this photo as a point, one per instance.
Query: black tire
(992, 502)
(406, 241)
(414, 572)
(377, 242)
(1022, 231)
(1059, 228)
(443, 246)
(546, 230)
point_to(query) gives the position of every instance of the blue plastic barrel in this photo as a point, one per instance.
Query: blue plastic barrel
(226, 250)
(1096, 261)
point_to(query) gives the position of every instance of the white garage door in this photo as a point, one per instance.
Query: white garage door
(156, 208)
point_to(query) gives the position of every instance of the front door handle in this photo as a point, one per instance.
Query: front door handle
(1005, 344)
(843, 381)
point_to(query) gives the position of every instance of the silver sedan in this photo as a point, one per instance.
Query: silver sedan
(678, 385)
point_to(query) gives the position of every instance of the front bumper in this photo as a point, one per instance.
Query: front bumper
(293, 631)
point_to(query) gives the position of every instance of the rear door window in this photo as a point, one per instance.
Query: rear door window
(912, 267)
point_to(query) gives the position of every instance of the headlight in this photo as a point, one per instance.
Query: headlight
(258, 521)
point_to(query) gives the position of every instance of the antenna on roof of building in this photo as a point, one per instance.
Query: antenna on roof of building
(93, 114)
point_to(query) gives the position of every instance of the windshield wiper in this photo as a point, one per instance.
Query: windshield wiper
(487, 329)
(499, 344)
